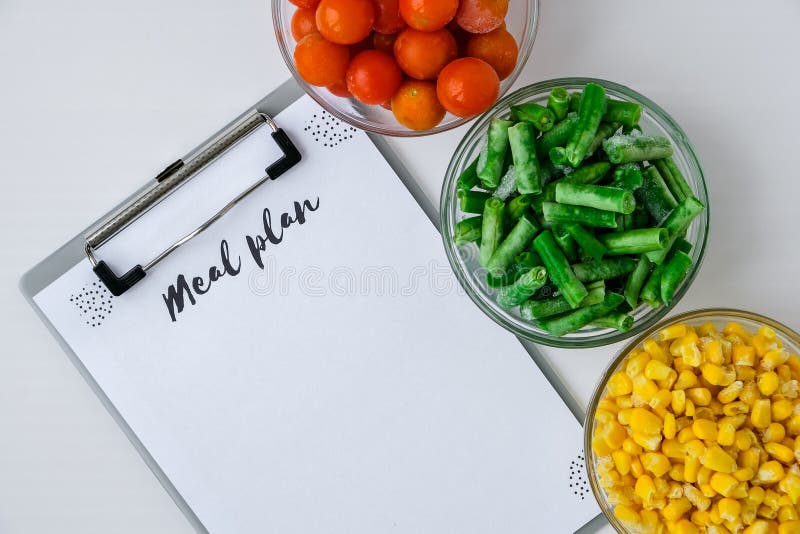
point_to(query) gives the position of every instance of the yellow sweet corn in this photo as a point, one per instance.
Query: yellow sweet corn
(789, 527)
(690, 468)
(645, 488)
(790, 485)
(749, 393)
(723, 483)
(717, 375)
(793, 425)
(704, 429)
(627, 515)
(766, 512)
(613, 433)
(678, 401)
(703, 476)
(636, 364)
(690, 354)
(631, 447)
(661, 400)
(672, 448)
(622, 461)
(648, 442)
(787, 513)
(644, 421)
(696, 497)
(731, 392)
(761, 414)
(768, 383)
(717, 529)
(656, 463)
(684, 526)
(744, 373)
(750, 458)
(743, 355)
(729, 509)
(774, 358)
(649, 520)
(744, 474)
(624, 402)
(672, 332)
(717, 459)
(619, 384)
(699, 396)
(775, 433)
(780, 452)
(644, 387)
(676, 472)
(784, 372)
(657, 370)
(758, 527)
(713, 350)
(770, 472)
(675, 509)
(636, 467)
(735, 408)
(670, 426)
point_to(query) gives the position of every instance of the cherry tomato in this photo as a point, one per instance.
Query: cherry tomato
(303, 23)
(345, 21)
(373, 77)
(416, 106)
(384, 42)
(339, 89)
(319, 61)
(387, 105)
(467, 86)
(387, 16)
(364, 44)
(481, 16)
(305, 4)
(428, 15)
(423, 55)
(497, 48)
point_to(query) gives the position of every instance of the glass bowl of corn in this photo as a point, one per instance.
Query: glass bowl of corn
(695, 428)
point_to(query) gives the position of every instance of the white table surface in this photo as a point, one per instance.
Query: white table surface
(96, 96)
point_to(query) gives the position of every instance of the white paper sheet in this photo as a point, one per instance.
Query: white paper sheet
(349, 385)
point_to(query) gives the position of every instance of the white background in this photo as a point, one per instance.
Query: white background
(96, 96)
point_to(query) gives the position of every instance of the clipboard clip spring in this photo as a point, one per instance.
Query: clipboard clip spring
(173, 177)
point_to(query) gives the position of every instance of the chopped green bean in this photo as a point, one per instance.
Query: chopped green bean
(491, 229)
(651, 290)
(625, 113)
(596, 196)
(515, 242)
(517, 207)
(507, 185)
(531, 310)
(522, 289)
(558, 102)
(471, 201)
(636, 241)
(559, 269)
(632, 147)
(590, 112)
(588, 174)
(564, 324)
(586, 240)
(575, 101)
(633, 286)
(524, 262)
(558, 156)
(655, 194)
(537, 115)
(675, 224)
(468, 230)
(604, 269)
(628, 177)
(673, 274)
(641, 217)
(565, 242)
(490, 162)
(468, 177)
(522, 140)
(557, 136)
(618, 320)
(565, 213)
(604, 131)
(673, 178)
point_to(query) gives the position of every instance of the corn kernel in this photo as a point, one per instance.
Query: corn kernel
(734, 408)
(645, 488)
(622, 461)
(644, 387)
(790, 485)
(743, 355)
(744, 373)
(649, 520)
(690, 354)
(782, 409)
(749, 393)
(717, 529)
(670, 426)
(672, 448)
(624, 402)
(726, 433)
(690, 468)
(636, 364)
(717, 375)
(787, 513)
(713, 350)
(705, 429)
(775, 433)
(700, 518)
(793, 426)
(723, 484)
(631, 447)
(745, 474)
(774, 358)
(707, 329)
(676, 472)
(613, 434)
(672, 332)
(678, 401)
(789, 527)
(718, 460)
(784, 372)
(627, 514)
(767, 512)
(675, 509)
(768, 383)
(696, 497)
(699, 396)
(771, 499)
(644, 421)
(731, 392)
(684, 526)
(619, 384)
(729, 509)
(750, 458)
(686, 379)
(661, 400)
(636, 467)
(624, 416)
(657, 370)
(770, 472)
(648, 442)
(790, 389)
(656, 463)
(761, 415)
(758, 527)
(703, 476)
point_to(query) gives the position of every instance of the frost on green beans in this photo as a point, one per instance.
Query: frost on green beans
(508, 184)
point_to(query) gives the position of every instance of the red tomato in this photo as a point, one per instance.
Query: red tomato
(303, 23)
(305, 4)
(467, 86)
(481, 16)
(416, 106)
(428, 15)
(320, 62)
(364, 44)
(387, 105)
(384, 42)
(387, 16)
(373, 77)
(497, 48)
(423, 55)
(339, 89)
(345, 21)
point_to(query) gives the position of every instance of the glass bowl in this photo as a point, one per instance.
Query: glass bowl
(521, 21)
(464, 259)
(719, 317)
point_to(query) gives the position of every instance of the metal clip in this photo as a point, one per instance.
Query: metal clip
(168, 181)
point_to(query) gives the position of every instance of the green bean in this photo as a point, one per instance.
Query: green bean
(636, 241)
(673, 178)
(471, 201)
(564, 324)
(682, 245)
(604, 131)
(514, 243)
(537, 115)
(468, 230)
(634, 283)
(622, 222)
(491, 229)
(603, 270)
(651, 290)
(586, 240)
(507, 185)
(628, 177)
(558, 156)
(590, 113)
(557, 136)
(575, 101)
(630, 129)
(641, 218)
(524, 262)
(522, 289)
(531, 310)
(655, 194)
(588, 174)
(625, 113)
(675, 224)
(618, 320)
(564, 213)
(558, 102)
(517, 207)
(565, 242)
(490, 161)
(628, 148)
(521, 138)
(559, 270)
(674, 272)
(468, 177)
(596, 196)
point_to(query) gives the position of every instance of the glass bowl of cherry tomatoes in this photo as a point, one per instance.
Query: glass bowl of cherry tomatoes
(405, 67)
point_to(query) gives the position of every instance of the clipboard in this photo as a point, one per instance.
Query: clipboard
(73, 252)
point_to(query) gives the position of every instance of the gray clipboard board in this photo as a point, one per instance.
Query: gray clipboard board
(71, 253)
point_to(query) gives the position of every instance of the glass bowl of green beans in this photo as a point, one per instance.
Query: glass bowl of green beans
(575, 239)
